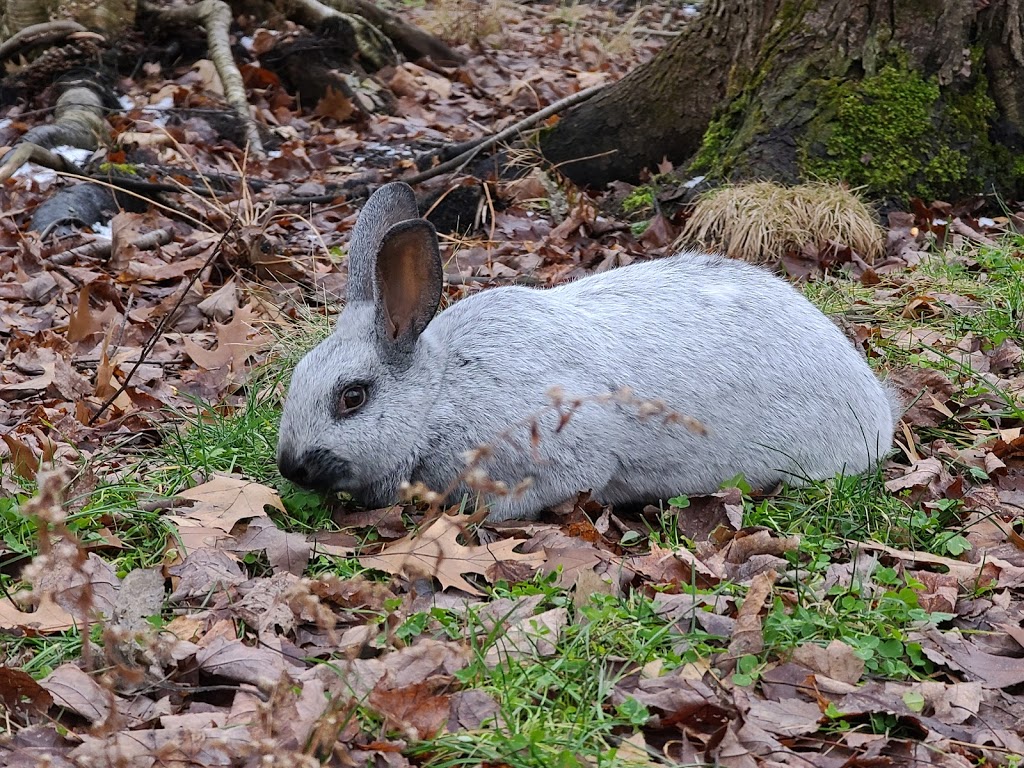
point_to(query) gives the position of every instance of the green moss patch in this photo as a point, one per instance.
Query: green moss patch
(899, 134)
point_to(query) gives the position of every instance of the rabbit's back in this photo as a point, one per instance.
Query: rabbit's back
(782, 394)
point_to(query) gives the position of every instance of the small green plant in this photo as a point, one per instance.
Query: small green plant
(748, 669)
(872, 621)
(640, 199)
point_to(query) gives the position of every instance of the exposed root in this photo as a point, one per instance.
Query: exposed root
(215, 17)
(78, 122)
(38, 35)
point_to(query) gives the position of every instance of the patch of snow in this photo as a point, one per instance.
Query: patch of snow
(75, 155)
(127, 102)
(167, 102)
(273, 153)
(940, 222)
(101, 229)
(985, 221)
(693, 182)
(38, 174)
(246, 42)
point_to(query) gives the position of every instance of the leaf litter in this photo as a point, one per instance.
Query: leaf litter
(234, 646)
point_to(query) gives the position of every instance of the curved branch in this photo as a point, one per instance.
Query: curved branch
(78, 122)
(215, 17)
(412, 41)
(375, 48)
(37, 35)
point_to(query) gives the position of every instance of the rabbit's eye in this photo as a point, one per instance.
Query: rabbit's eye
(352, 399)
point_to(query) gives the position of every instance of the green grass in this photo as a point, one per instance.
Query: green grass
(556, 710)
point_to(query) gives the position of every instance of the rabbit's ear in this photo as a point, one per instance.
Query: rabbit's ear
(409, 281)
(391, 204)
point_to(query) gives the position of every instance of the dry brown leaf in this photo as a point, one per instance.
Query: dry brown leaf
(919, 475)
(335, 104)
(436, 552)
(24, 459)
(230, 658)
(924, 392)
(73, 689)
(419, 710)
(666, 566)
(222, 303)
(46, 619)
(84, 321)
(286, 551)
(19, 693)
(529, 637)
(747, 637)
(144, 272)
(836, 660)
(964, 571)
(33, 385)
(224, 500)
(236, 342)
(953, 650)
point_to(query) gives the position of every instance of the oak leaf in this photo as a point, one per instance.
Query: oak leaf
(221, 503)
(435, 551)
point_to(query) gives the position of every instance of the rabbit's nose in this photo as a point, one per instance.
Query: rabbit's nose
(293, 467)
(317, 469)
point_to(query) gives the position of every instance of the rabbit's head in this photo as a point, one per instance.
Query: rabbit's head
(357, 401)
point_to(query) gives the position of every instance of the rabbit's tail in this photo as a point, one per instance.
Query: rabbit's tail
(896, 404)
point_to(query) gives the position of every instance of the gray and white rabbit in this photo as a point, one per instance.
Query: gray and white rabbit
(398, 395)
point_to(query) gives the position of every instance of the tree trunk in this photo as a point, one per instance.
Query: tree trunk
(663, 108)
(904, 97)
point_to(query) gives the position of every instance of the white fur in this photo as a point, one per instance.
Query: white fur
(782, 394)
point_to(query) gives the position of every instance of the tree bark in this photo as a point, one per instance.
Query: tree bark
(901, 96)
(663, 108)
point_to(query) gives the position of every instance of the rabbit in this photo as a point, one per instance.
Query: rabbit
(770, 387)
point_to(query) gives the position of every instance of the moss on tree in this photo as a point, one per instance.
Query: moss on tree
(897, 132)
(894, 131)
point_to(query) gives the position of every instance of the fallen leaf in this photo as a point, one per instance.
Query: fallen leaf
(285, 550)
(747, 637)
(436, 552)
(224, 500)
(418, 710)
(836, 660)
(46, 619)
(73, 689)
(952, 650)
(19, 693)
(236, 341)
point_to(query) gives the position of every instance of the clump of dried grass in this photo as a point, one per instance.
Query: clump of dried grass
(760, 221)
(471, 22)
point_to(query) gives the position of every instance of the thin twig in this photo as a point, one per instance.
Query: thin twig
(152, 340)
(465, 157)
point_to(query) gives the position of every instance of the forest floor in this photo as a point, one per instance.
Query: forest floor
(169, 599)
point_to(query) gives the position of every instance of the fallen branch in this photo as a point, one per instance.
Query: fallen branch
(78, 122)
(375, 48)
(33, 153)
(100, 247)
